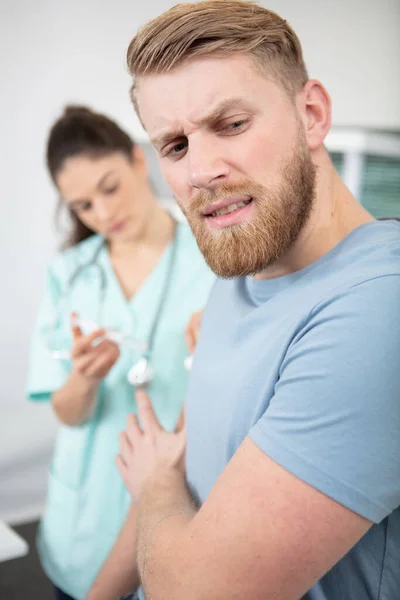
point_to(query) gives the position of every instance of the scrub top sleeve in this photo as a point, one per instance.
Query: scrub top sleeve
(46, 374)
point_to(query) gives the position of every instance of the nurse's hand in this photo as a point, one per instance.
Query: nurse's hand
(148, 450)
(192, 330)
(92, 356)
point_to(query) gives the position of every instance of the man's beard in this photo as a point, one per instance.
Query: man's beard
(280, 214)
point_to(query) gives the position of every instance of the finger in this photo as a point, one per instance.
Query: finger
(122, 469)
(84, 343)
(76, 330)
(111, 348)
(102, 363)
(99, 359)
(147, 415)
(125, 447)
(106, 347)
(83, 363)
(100, 367)
(133, 430)
(85, 360)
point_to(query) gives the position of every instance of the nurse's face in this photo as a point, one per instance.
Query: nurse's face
(110, 194)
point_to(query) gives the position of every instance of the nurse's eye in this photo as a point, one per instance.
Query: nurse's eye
(111, 189)
(82, 207)
(79, 206)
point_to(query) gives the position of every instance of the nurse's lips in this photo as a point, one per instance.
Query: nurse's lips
(118, 226)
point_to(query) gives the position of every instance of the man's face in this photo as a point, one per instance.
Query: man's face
(232, 149)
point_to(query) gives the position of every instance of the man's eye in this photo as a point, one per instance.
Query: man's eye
(176, 150)
(235, 125)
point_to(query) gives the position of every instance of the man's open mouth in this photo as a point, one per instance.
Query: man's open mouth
(229, 209)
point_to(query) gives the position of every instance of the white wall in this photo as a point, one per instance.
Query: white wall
(353, 47)
(53, 52)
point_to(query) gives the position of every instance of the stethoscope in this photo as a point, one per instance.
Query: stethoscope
(141, 373)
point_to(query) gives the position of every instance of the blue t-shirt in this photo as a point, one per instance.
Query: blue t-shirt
(308, 366)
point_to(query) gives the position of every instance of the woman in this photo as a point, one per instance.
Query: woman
(116, 306)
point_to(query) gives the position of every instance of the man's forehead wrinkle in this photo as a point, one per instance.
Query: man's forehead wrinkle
(184, 99)
(210, 115)
(166, 135)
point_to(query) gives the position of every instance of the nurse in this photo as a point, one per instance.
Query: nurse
(113, 317)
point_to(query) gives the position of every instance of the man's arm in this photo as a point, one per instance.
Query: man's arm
(262, 533)
(119, 575)
(297, 495)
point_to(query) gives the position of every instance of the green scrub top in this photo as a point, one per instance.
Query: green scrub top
(87, 502)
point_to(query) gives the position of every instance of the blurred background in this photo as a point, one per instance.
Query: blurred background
(53, 53)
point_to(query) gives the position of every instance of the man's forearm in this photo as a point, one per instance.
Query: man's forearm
(165, 508)
(119, 574)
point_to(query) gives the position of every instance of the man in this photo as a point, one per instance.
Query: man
(292, 480)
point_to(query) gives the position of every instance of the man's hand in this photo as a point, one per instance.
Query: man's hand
(148, 450)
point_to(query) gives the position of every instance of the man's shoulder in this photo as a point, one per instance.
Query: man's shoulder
(359, 264)
(365, 260)
(376, 247)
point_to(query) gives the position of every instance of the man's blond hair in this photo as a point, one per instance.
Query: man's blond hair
(218, 28)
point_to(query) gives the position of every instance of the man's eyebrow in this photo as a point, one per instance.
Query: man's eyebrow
(168, 136)
(77, 201)
(214, 115)
(221, 108)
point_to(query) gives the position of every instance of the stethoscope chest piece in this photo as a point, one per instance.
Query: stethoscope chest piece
(141, 373)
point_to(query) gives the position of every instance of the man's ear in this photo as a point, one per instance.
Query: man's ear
(314, 105)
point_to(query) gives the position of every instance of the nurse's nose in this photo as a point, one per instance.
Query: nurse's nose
(104, 210)
(206, 166)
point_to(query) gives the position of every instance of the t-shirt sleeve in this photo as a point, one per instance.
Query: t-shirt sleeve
(46, 374)
(334, 420)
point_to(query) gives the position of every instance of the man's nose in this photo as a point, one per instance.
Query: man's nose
(206, 166)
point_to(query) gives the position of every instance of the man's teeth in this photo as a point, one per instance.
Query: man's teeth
(230, 208)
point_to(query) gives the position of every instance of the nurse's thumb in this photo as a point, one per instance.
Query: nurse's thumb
(76, 330)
